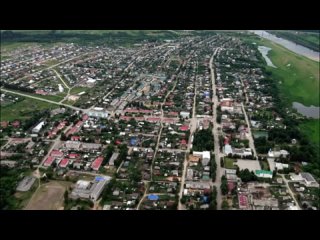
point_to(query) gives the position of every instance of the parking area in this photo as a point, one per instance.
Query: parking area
(252, 165)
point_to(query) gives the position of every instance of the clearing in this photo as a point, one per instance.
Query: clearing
(23, 110)
(49, 196)
(298, 76)
(251, 165)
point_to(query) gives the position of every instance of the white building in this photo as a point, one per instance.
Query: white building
(75, 145)
(205, 157)
(185, 114)
(37, 128)
(308, 180)
(276, 154)
(61, 89)
(281, 166)
(89, 190)
(189, 174)
(227, 149)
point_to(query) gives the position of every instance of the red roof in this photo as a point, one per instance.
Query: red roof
(73, 155)
(226, 103)
(145, 111)
(41, 92)
(131, 110)
(64, 162)
(173, 113)
(226, 141)
(72, 131)
(169, 103)
(4, 124)
(97, 163)
(126, 118)
(231, 186)
(184, 128)
(16, 123)
(153, 119)
(56, 153)
(79, 124)
(118, 142)
(243, 200)
(169, 120)
(48, 161)
(61, 125)
(183, 141)
(85, 117)
(75, 138)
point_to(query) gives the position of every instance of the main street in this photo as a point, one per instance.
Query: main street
(217, 154)
(42, 99)
(251, 142)
(193, 123)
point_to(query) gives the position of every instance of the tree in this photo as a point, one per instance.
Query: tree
(247, 176)
(63, 137)
(224, 185)
(66, 197)
(225, 205)
(183, 200)
(221, 162)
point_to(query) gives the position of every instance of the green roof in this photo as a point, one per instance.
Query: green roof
(263, 172)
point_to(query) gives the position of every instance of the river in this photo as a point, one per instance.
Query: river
(296, 48)
(311, 112)
(264, 51)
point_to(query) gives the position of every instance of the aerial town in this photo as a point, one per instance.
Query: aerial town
(193, 122)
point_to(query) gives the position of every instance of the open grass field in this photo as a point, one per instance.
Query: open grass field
(298, 76)
(299, 81)
(24, 197)
(7, 47)
(76, 90)
(55, 98)
(228, 163)
(23, 110)
(49, 196)
(312, 129)
(99, 32)
(264, 165)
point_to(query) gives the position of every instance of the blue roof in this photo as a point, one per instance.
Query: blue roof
(133, 141)
(153, 197)
(205, 199)
(99, 178)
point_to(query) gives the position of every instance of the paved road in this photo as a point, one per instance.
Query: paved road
(59, 76)
(193, 122)
(146, 184)
(251, 141)
(215, 102)
(52, 66)
(89, 173)
(44, 100)
(291, 193)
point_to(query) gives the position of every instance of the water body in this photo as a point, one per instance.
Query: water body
(312, 111)
(296, 48)
(264, 51)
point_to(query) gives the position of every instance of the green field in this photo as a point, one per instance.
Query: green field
(77, 90)
(7, 47)
(264, 165)
(298, 76)
(23, 110)
(55, 98)
(312, 129)
(228, 163)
